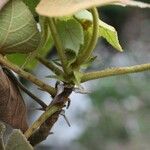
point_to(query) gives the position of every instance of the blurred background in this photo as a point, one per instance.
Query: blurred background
(116, 113)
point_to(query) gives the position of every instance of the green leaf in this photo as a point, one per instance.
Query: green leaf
(18, 29)
(43, 49)
(17, 141)
(71, 34)
(57, 8)
(110, 34)
(106, 31)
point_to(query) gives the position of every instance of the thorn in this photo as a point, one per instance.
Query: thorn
(66, 119)
(68, 104)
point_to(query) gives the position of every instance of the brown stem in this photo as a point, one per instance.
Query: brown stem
(44, 130)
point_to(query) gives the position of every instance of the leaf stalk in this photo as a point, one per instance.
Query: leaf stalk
(114, 71)
(86, 53)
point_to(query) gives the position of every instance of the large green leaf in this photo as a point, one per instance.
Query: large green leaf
(59, 8)
(18, 29)
(71, 34)
(43, 49)
(17, 141)
(106, 31)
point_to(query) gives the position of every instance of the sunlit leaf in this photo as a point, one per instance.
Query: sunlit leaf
(18, 29)
(57, 8)
(110, 34)
(106, 31)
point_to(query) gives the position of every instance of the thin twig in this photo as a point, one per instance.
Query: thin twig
(22, 87)
(27, 76)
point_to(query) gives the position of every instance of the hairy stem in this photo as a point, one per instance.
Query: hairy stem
(86, 53)
(114, 72)
(41, 128)
(58, 44)
(41, 120)
(50, 65)
(27, 76)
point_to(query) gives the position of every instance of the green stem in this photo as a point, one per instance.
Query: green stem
(27, 76)
(86, 53)
(58, 44)
(50, 65)
(41, 120)
(114, 72)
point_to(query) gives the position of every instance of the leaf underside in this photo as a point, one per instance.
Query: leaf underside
(57, 8)
(18, 29)
(12, 106)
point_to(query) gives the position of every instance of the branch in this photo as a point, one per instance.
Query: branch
(86, 53)
(114, 71)
(28, 76)
(42, 127)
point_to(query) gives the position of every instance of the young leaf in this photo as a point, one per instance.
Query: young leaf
(106, 31)
(110, 34)
(71, 34)
(18, 29)
(59, 8)
(12, 106)
(17, 141)
(2, 3)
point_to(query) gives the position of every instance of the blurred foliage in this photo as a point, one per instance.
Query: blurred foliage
(119, 119)
(120, 112)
